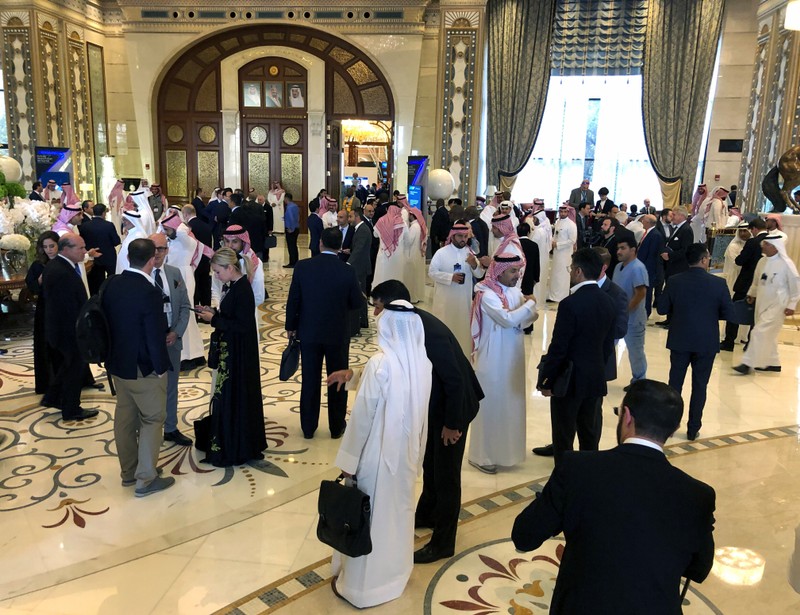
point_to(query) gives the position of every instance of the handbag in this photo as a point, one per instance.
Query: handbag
(290, 360)
(560, 385)
(213, 350)
(270, 241)
(344, 517)
(744, 313)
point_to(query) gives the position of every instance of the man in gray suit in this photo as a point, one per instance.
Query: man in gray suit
(360, 259)
(582, 194)
(177, 309)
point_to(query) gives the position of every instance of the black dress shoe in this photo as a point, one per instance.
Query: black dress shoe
(743, 369)
(95, 385)
(427, 554)
(692, 435)
(308, 436)
(178, 438)
(288, 266)
(200, 362)
(336, 436)
(769, 368)
(186, 365)
(544, 451)
(726, 346)
(50, 403)
(80, 415)
(663, 323)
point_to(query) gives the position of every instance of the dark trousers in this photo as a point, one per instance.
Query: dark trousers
(440, 502)
(336, 358)
(569, 415)
(95, 277)
(363, 320)
(653, 294)
(65, 387)
(291, 245)
(702, 363)
(732, 328)
(202, 283)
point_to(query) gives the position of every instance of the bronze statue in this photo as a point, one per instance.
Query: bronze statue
(789, 169)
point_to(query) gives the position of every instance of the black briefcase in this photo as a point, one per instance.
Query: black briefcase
(560, 384)
(744, 313)
(344, 517)
(290, 360)
(270, 241)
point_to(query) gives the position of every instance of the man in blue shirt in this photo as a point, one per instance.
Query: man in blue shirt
(631, 275)
(291, 223)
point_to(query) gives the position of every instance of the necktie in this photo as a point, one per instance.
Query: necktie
(157, 278)
(225, 289)
(78, 270)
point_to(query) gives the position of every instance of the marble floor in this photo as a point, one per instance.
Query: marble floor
(243, 540)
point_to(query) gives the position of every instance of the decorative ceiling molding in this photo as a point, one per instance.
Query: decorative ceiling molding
(23, 16)
(462, 19)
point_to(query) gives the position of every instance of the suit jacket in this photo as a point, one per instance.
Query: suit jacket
(605, 208)
(179, 302)
(138, 327)
(575, 197)
(315, 228)
(649, 253)
(532, 265)
(620, 328)
(201, 231)
(455, 390)
(35, 196)
(583, 226)
(676, 248)
(101, 234)
(360, 250)
(199, 206)
(597, 497)
(269, 218)
(584, 334)
(663, 230)
(317, 283)
(347, 242)
(481, 232)
(610, 244)
(374, 245)
(440, 225)
(65, 294)
(748, 259)
(695, 301)
(252, 220)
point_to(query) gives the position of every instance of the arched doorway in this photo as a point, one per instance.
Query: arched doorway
(193, 133)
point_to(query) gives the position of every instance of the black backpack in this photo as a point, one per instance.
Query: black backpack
(93, 333)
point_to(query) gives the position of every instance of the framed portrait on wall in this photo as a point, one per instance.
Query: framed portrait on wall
(252, 93)
(273, 94)
(296, 95)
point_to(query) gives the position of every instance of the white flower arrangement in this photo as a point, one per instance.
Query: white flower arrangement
(15, 243)
(37, 216)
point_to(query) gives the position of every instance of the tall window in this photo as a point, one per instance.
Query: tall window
(592, 127)
(3, 122)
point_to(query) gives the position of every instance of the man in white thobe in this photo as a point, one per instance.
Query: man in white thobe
(237, 239)
(500, 312)
(328, 208)
(390, 263)
(454, 270)
(564, 239)
(133, 226)
(715, 209)
(185, 253)
(775, 226)
(142, 205)
(776, 291)
(489, 209)
(383, 448)
(414, 242)
(542, 235)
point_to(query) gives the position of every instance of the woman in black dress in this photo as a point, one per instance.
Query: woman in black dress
(46, 250)
(237, 412)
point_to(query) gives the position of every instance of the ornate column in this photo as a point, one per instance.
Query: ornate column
(18, 72)
(462, 56)
(78, 87)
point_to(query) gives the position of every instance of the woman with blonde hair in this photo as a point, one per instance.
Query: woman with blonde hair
(237, 412)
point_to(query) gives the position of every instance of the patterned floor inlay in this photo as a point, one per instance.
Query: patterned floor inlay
(494, 578)
(318, 575)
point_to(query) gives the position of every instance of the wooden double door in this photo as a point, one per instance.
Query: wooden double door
(276, 149)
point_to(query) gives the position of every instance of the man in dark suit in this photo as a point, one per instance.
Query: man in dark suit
(597, 499)
(343, 220)
(251, 217)
(323, 292)
(315, 228)
(649, 252)
(138, 361)
(269, 222)
(36, 193)
(480, 230)
(674, 254)
(532, 274)
(608, 240)
(583, 335)
(748, 259)
(454, 402)
(100, 234)
(198, 203)
(360, 257)
(369, 220)
(62, 285)
(440, 227)
(694, 301)
(581, 194)
(202, 274)
(583, 223)
(664, 224)
(218, 213)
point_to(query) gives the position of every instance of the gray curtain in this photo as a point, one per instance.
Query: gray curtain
(679, 53)
(518, 76)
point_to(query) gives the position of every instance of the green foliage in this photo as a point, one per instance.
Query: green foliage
(3, 191)
(2, 178)
(15, 189)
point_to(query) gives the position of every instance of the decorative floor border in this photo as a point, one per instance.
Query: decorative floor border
(279, 593)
